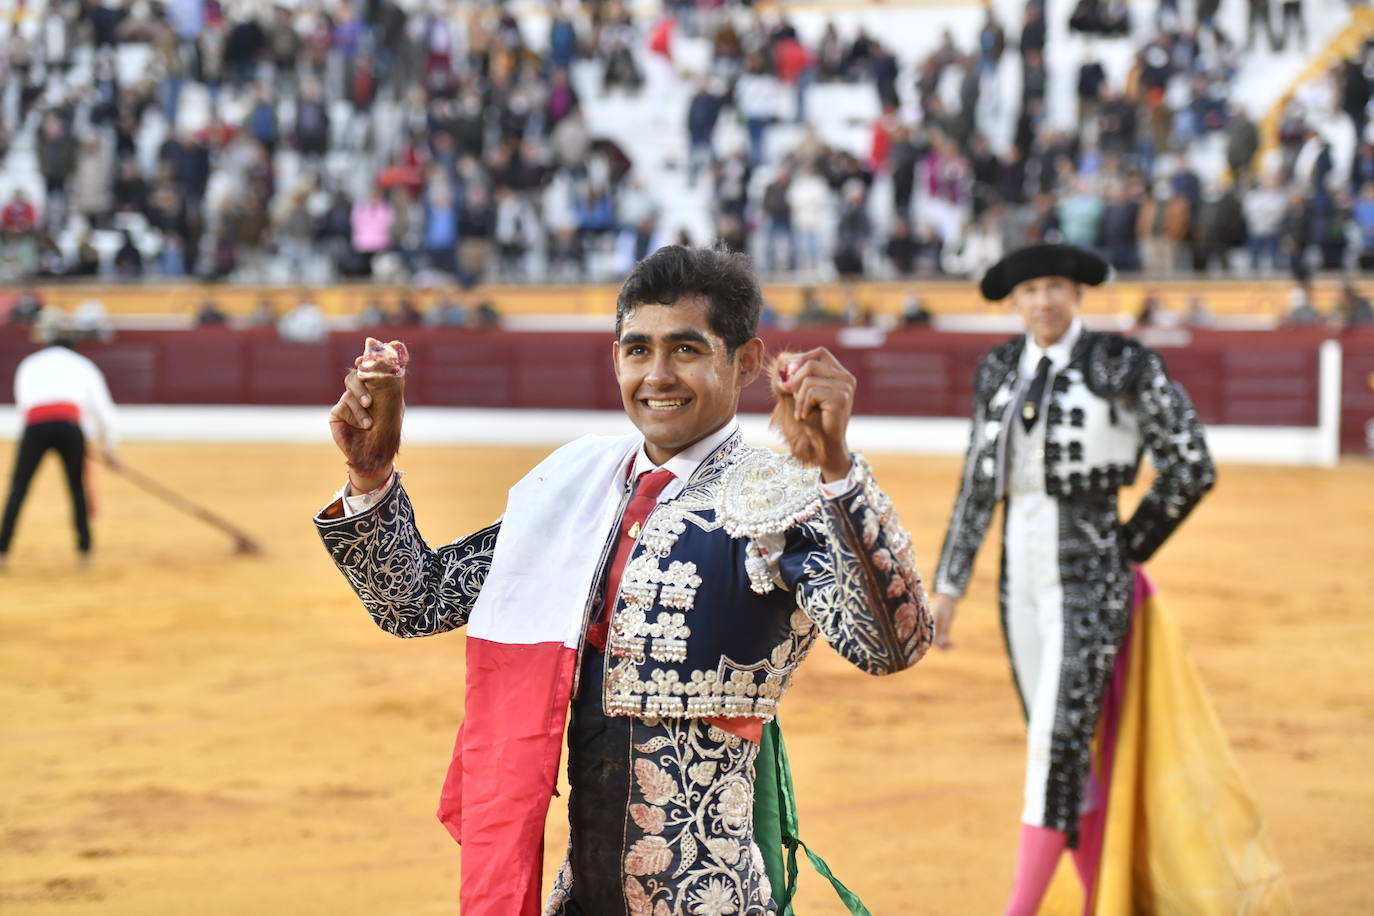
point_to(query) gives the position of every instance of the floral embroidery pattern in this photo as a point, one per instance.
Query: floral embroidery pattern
(408, 589)
(689, 838)
(849, 563)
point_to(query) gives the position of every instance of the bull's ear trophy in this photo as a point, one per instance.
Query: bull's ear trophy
(803, 441)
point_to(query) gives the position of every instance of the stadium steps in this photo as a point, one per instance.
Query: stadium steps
(1341, 46)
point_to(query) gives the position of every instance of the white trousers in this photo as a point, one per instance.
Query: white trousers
(1035, 631)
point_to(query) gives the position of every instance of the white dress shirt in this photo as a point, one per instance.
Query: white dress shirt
(60, 375)
(1027, 471)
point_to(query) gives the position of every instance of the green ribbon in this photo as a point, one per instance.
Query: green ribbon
(775, 827)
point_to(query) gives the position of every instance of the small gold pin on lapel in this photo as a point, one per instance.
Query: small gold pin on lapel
(1028, 411)
(634, 531)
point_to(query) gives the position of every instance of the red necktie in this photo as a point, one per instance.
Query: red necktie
(642, 502)
(650, 484)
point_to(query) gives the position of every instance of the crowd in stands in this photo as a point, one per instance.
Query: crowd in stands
(317, 141)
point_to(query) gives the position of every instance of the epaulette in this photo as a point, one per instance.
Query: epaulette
(994, 366)
(1113, 363)
(764, 493)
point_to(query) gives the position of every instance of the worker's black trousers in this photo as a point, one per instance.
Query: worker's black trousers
(66, 439)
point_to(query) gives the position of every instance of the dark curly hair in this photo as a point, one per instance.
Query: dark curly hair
(673, 273)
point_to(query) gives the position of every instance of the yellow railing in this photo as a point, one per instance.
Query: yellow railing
(1263, 298)
(1343, 46)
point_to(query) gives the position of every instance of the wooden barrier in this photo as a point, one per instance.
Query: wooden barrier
(1255, 378)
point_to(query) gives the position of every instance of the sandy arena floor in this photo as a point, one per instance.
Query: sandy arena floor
(191, 732)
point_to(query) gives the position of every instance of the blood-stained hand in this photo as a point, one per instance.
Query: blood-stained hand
(822, 396)
(366, 421)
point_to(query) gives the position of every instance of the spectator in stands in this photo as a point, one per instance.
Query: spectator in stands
(1091, 78)
(130, 191)
(702, 113)
(374, 314)
(948, 180)
(1290, 11)
(562, 98)
(757, 97)
(91, 190)
(1117, 123)
(618, 36)
(128, 260)
(777, 213)
(1152, 312)
(446, 312)
(371, 221)
(637, 240)
(483, 106)
(1034, 78)
(1043, 222)
(853, 310)
(87, 260)
(732, 234)
(1362, 212)
(809, 199)
(262, 118)
(567, 258)
(18, 216)
(1352, 309)
(914, 313)
(305, 323)
(486, 315)
(1207, 247)
(982, 246)
(795, 66)
(1295, 234)
(1033, 31)
(28, 305)
(1080, 214)
(407, 227)
(1259, 20)
(312, 122)
(813, 311)
(408, 314)
(441, 225)
(562, 39)
(209, 314)
(853, 232)
(1362, 168)
(1197, 314)
(902, 249)
(1331, 220)
(513, 232)
(1264, 209)
(1165, 220)
(830, 55)
(476, 223)
(56, 160)
(263, 314)
(1120, 222)
(883, 69)
(992, 42)
(1301, 309)
(904, 154)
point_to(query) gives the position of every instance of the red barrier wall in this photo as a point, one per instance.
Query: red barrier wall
(1253, 378)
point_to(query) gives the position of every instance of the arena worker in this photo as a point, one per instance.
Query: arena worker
(1061, 417)
(667, 583)
(57, 391)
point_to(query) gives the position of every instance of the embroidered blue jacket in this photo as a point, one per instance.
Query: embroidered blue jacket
(727, 587)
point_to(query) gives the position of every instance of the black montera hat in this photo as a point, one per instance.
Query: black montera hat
(1078, 264)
